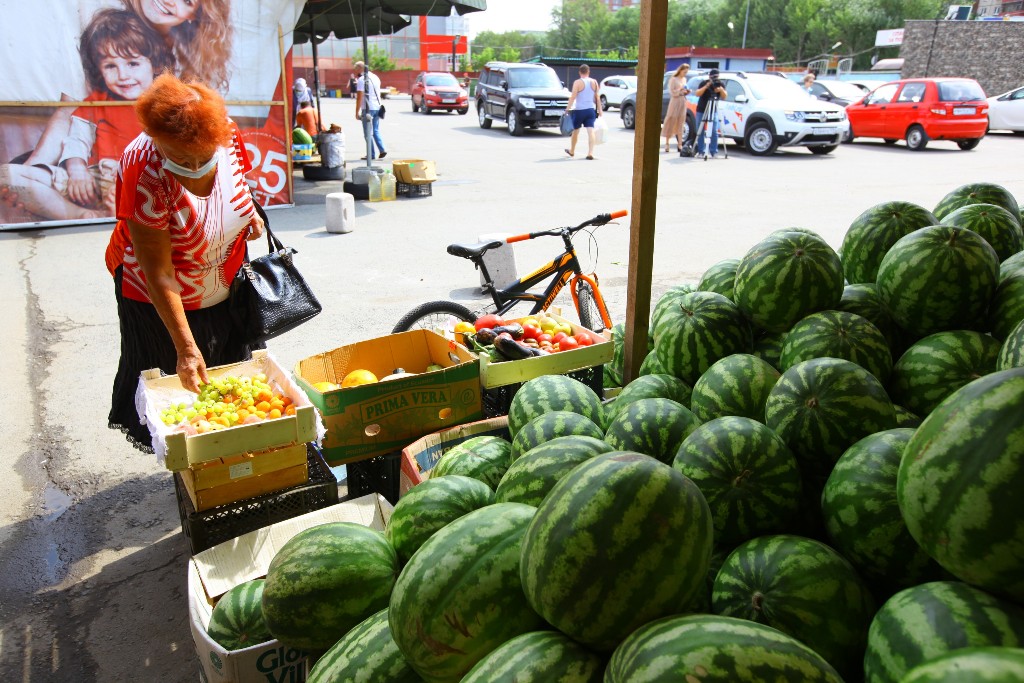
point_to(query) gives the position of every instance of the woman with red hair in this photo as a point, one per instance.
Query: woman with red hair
(184, 213)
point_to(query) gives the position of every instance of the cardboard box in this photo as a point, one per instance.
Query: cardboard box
(214, 572)
(414, 171)
(419, 457)
(384, 417)
(238, 477)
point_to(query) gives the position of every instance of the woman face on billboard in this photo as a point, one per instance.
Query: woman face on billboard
(163, 15)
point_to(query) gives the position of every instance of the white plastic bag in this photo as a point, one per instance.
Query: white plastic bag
(600, 130)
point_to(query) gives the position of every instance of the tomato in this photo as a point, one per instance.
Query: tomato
(530, 331)
(462, 327)
(583, 339)
(568, 344)
(489, 320)
(559, 336)
(544, 337)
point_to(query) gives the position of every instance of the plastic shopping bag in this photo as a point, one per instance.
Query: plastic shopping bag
(565, 125)
(600, 130)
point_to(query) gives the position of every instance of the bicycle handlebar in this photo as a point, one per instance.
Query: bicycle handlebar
(598, 220)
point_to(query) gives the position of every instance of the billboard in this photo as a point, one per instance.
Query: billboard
(72, 69)
(889, 37)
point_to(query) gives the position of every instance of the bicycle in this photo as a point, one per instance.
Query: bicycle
(563, 270)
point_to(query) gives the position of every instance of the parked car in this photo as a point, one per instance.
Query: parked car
(614, 89)
(837, 92)
(627, 110)
(439, 91)
(522, 95)
(1006, 111)
(922, 109)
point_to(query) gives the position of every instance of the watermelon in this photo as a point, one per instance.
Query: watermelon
(1007, 306)
(927, 621)
(998, 226)
(324, 581)
(459, 597)
(697, 330)
(533, 475)
(538, 657)
(429, 507)
(1012, 265)
(624, 540)
(1011, 354)
(768, 347)
(823, 406)
(748, 476)
(837, 334)
(961, 479)
(548, 426)
(704, 648)
(873, 233)
(905, 418)
(652, 365)
(787, 276)
(656, 385)
(484, 458)
(803, 588)
(976, 193)
(863, 300)
(366, 654)
(666, 301)
(652, 426)
(720, 278)
(547, 393)
(975, 664)
(301, 137)
(862, 515)
(938, 278)
(237, 620)
(736, 385)
(613, 369)
(938, 365)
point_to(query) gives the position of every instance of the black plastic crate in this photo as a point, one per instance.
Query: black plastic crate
(419, 190)
(208, 528)
(497, 400)
(381, 474)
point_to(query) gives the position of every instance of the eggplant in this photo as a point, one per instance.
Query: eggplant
(486, 336)
(511, 349)
(515, 330)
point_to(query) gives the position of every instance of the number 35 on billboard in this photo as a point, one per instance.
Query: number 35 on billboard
(269, 166)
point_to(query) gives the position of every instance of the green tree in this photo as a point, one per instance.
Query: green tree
(482, 57)
(379, 59)
(579, 25)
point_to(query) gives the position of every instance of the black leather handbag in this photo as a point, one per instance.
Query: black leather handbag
(268, 295)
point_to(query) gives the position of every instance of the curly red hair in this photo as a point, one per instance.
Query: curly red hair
(189, 115)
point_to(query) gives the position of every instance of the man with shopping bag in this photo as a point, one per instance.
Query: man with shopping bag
(585, 108)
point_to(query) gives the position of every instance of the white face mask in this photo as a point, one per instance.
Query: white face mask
(178, 169)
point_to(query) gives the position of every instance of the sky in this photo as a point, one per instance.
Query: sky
(512, 15)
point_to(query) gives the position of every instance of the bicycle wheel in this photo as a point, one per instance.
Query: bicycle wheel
(590, 314)
(434, 315)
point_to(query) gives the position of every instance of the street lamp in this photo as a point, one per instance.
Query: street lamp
(455, 44)
(838, 43)
(732, 34)
(745, 21)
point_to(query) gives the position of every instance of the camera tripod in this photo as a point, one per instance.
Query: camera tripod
(711, 114)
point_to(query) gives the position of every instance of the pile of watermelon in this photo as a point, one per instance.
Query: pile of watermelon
(815, 477)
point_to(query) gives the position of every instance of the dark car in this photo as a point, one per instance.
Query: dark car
(627, 110)
(837, 92)
(522, 95)
(438, 91)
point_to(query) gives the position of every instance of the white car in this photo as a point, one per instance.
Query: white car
(766, 111)
(614, 89)
(1006, 111)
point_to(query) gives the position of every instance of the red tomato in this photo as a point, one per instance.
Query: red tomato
(559, 336)
(568, 344)
(544, 337)
(531, 331)
(583, 339)
(489, 320)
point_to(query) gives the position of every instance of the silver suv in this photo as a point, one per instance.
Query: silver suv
(522, 95)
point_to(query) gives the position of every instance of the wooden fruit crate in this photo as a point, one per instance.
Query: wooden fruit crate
(233, 478)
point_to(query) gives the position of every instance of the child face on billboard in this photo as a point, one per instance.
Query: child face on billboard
(166, 14)
(126, 77)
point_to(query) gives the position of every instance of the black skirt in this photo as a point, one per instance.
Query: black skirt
(145, 344)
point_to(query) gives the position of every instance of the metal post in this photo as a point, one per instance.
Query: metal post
(745, 22)
(367, 126)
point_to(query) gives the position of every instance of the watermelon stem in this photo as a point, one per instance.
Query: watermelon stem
(743, 475)
(757, 601)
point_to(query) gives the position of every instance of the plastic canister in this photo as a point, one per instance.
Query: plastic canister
(375, 188)
(389, 186)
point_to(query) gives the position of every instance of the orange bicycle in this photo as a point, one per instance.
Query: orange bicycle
(563, 270)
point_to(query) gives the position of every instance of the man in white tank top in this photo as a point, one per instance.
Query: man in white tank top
(585, 106)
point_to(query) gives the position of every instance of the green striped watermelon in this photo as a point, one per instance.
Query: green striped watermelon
(720, 278)
(482, 457)
(324, 581)
(938, 365)
(429, 507)
(998, 226)
(237, 620)
(961, 479)
(736, 385)
(863, 300)
(873, 233)
(656, 385)
(787, 276)
(922, 623)
(652, 426)
(366, 654)
(1007, 307)
(532, 476)
(549, 393)
(938, 278)
(905, 418)
(538, 657)
(823, 406)
(652, 365)
(768, 347)
(704, 648)
(613, 369)
(459, 597)
(1011, 265)
(1011, 354)
(543, 428)
(863, 518)
(624, 540)
(976, 193)
(668, 300)
(974, 664)
(837, 334)
(748, 476)
(697, 330)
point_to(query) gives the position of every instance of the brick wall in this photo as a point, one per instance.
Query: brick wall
(990, 52)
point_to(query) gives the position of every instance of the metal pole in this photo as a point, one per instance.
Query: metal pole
(745, 22)
(316, 79)
(366, 86)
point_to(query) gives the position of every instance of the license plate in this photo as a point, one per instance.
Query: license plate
(448, 101)
(825, 131)
(553, 112)
(963, 111)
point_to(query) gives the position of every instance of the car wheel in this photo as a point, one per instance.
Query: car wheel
(823, 149)
(424, 108)
(761, 140)
(463, 111)
(481, 116)
(415, 107)
(968, 144)
(690, 128)
(890, 141)
(629, 117)
(604, 103)
(515, 126)
(848, 136)
(917, 139)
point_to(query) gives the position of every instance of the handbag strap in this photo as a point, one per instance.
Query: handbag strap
(273, 243)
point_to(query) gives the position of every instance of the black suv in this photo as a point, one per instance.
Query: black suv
(523, 95)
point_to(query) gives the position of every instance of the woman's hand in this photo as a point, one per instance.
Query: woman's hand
(191, 369)
(81, 187)
(256, 227)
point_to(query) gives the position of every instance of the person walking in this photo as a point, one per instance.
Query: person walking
(585, 106)
(368, 107)
(675, 117)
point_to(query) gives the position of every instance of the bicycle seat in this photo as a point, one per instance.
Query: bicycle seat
(473, 250)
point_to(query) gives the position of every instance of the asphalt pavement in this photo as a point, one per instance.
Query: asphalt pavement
(92, 560)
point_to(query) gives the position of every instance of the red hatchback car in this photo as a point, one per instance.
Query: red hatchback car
(439, 91)
(921, 109)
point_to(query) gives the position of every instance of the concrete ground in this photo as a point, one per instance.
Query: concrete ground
(92, 560)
